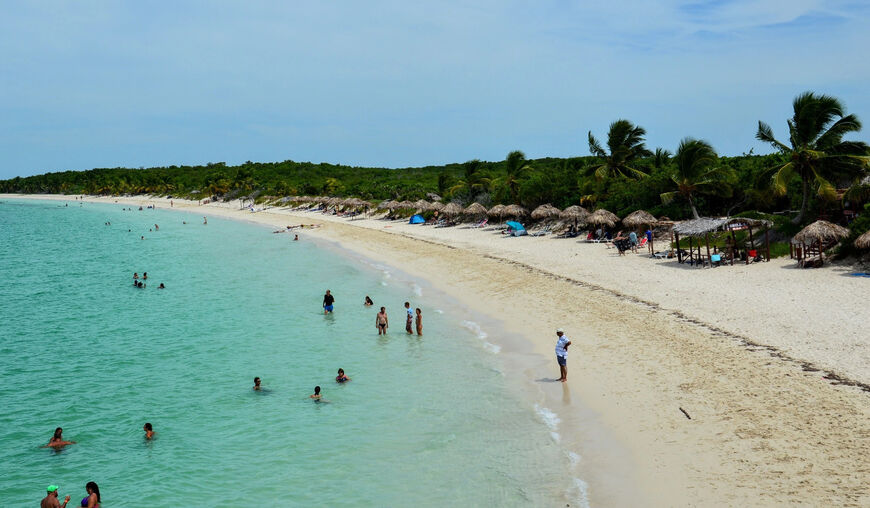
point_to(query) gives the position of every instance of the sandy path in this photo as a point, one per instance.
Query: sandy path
(763, 431)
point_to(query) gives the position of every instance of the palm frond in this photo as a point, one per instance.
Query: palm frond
(595, 147)
(765, 133)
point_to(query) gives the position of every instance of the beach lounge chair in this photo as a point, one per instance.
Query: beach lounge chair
(481, 224)
(543, 231)
(641, 244)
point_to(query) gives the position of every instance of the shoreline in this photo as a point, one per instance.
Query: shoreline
(762, 431)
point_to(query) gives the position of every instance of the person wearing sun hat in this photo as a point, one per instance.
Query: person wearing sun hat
(51, 501)
(562, 354)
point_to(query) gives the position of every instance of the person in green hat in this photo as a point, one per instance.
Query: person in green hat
(51, 501)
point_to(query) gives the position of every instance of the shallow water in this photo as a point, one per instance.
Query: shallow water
(426, 421)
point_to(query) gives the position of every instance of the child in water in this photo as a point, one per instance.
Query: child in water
(419, 321)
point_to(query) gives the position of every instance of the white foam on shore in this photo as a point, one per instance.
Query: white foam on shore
(439, 311)
(482, 335)
(418, 291)
(551, 420)
(582, 493)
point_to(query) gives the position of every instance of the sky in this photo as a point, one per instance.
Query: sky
(87, 84)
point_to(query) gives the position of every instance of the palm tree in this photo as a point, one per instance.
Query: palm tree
(661, 157)
(516, 167)
(818, 152)
(697, 173)
(474, 180)
(625, 142)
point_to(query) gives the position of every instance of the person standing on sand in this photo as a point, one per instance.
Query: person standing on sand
(562, 354)
(51, 501)
(382, 322)
(328, 300)
(410, 320)
(419, 322)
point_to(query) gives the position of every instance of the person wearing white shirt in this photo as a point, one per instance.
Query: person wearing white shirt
(562, 354)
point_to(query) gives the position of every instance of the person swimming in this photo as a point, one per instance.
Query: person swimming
(161, 286)
(256, 384)
(57, 439)
(316, 394)
(369, 301)
(149, 431)
(341, 377)
(144, 275)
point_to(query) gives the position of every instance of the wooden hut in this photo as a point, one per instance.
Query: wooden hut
(697, 229)
(641, 218)
(814, 239)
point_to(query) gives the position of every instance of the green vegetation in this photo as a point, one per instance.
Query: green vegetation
(624, 177)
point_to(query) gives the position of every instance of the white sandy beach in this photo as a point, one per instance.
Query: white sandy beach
(746, 351)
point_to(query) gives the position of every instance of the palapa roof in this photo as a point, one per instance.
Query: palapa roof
(496, 211)
(820, 230)
(475, 209)
(515, 211)
(639, 218)
(704, 225)
(545, 211)
(863, 241)
(386, 204)
(603, 217)
(422, 204)
(452, 209)
(436, 206)
(405, 204)
(574, 212)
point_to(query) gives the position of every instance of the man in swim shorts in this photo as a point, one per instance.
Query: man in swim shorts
(328, 300)
(410, 320)
(562, 354)
(382, 322)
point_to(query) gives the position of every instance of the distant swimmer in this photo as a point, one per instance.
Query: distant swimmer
(144, 275)
(369, 301)
(57, 439)
(419, 321)
(328, 300)
(142, 238)
(135, 275)
(92, 500)
(410, 320)
(140, 208)
(205, 220)
(296, 238)
(341, 377)
(256, 384)
(184, 222)
(316, 394)
(161, 286)
(156, 227)
(51, 501)
(149, 431)
(140, 285)
(382, 322)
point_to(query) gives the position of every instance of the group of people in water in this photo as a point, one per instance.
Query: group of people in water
(413, 319)
(92, 500)
(340, 378)
(140, 283)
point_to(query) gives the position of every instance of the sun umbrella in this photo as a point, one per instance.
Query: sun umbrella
(422, 204)
(602, 217)
(435, 205)
(515, 211)
(545, 212)
(475, 210)
(515, 225)
(496, 211)
(819, 232)
(638, 219)
(863, 241)
(452, 209)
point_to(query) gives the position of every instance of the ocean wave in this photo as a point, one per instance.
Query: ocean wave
(582, 492)
(551, 420)
(418, 291)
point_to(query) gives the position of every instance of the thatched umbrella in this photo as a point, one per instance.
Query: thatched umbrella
(602, 217)
(545, 212)
(819, 232)
(475, 210)
(496, 211)
(404, 204)
(435, 205)
(578, 213)
(515, 211)
(863, 241)
(422, 204)
(385, 205)
(641, 218)
(452, 209)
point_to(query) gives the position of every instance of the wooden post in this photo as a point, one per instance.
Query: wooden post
(679, 257)
(707, 239)
(652, 235)
(767, 242)
(733, 244)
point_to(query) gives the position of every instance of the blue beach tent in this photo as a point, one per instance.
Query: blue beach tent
(416, 219)
(515, 228)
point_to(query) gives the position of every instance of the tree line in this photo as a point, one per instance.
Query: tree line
(815, 172)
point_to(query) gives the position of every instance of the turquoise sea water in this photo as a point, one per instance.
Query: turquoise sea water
(425, 421)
